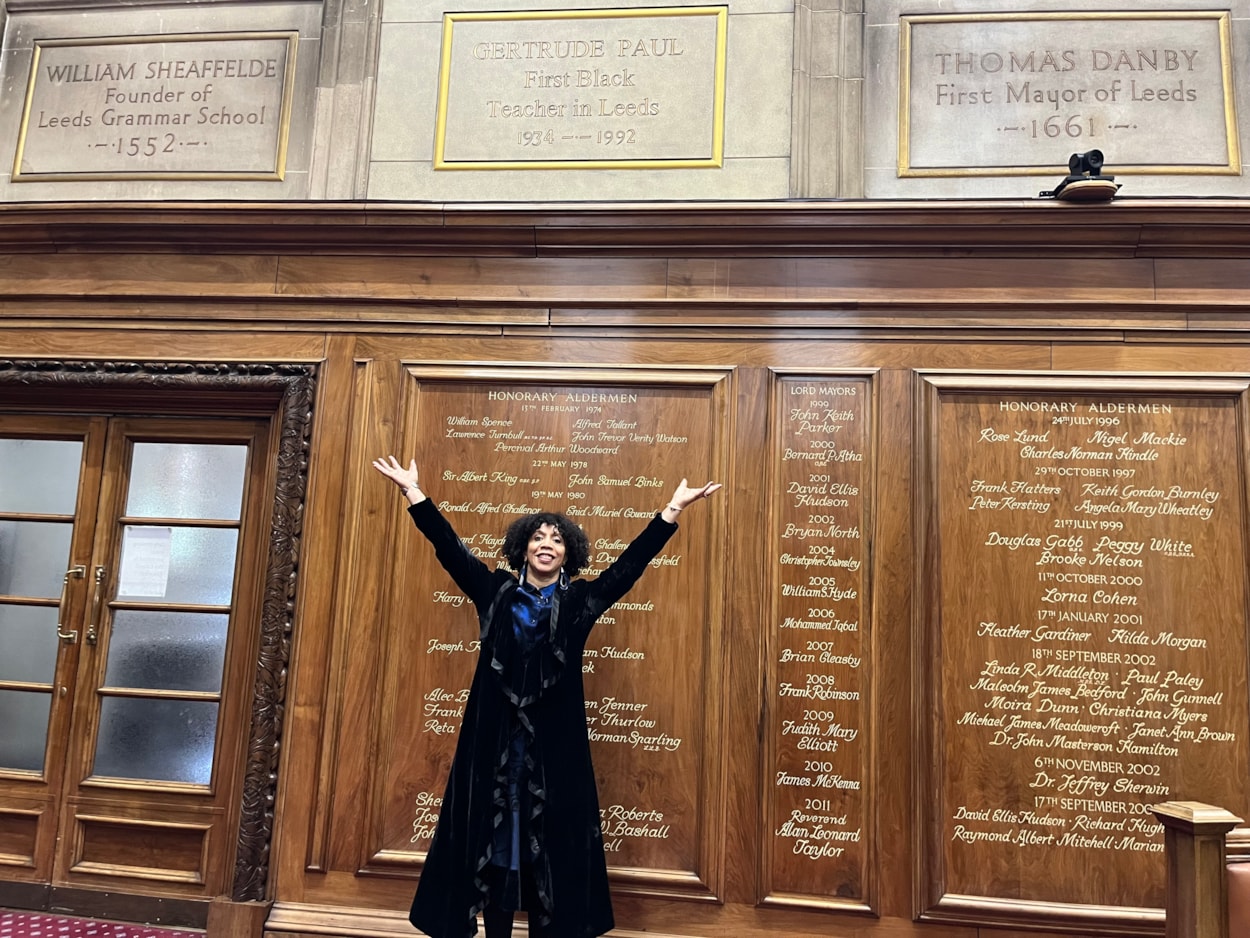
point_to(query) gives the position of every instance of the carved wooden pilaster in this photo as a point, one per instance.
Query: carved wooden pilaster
(251, 872)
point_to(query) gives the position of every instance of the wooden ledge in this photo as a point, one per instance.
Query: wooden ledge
(956, 229)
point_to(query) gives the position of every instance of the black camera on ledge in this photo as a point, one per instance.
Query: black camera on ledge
(1085, 181)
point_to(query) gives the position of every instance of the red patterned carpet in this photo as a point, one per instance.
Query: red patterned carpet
(42, 925)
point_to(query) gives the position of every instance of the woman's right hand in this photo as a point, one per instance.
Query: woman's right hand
(406, 479)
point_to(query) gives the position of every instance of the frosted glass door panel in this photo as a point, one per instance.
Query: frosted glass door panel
(186, 480)
(39, 477)
(166, 740)
(199, 565)
(33, 557)
(24, 716)
(28, 644)
(174, 650)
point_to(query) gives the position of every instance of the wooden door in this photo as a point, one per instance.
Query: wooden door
(130, 593)
(48, 465)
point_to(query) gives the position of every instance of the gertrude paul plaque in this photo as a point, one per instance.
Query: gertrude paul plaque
(1014, 94)
(199, 106)
(582, 89)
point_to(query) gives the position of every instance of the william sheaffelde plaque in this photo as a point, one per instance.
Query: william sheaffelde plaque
(620, 89)
(203, 106)
(1017, 93)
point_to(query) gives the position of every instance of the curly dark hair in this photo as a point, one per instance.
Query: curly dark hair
(576, 545)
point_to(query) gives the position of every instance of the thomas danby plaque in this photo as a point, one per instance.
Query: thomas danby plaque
(1016, 93)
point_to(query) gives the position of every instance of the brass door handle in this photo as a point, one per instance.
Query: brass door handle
(92, 626)
(78, 571)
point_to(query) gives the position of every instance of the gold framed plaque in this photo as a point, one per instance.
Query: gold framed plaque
(582, 89)
(1013, 94)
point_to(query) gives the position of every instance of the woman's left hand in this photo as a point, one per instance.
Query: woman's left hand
(685, 495)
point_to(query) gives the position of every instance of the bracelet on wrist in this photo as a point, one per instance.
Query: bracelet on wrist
(674, 508)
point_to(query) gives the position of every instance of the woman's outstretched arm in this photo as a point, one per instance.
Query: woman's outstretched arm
(469, 573)
(621, 574)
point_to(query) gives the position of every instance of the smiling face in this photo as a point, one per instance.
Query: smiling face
(544, 555)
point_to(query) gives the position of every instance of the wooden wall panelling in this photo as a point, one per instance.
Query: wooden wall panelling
(228, 919)
(624, 280)
(654, 347)
(474, 279)
(746, 631)
(491, 429)
(741, 288)
(819, 799)
(317, 888)
(1149, 227)
(290, 919)
(364, 639)
(1156, 355)
(167, 344)
(340, 885)
(859, 279)
(1070, 698)
(926, 838)
(355, 892)
(326, 587)
(1228, 320)
(842, 230)
(1202, 280)
(290, 314)
(777, 319)
(120, 274)
(892, 651)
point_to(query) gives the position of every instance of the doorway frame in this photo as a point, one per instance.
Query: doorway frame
(285, 392)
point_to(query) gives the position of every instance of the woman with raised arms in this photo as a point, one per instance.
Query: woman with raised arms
(519, 824)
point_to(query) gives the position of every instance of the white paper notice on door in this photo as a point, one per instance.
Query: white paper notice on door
(145, 562)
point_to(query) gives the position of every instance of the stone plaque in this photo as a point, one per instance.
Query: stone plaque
(198, 106)
(1088, 638)
(818, 820)
(1015, 94)
(608, 455)
(620, 89)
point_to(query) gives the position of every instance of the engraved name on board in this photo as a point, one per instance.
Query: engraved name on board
(1099, 656)
(816, 789)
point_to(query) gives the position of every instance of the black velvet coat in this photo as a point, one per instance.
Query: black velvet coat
(543, 691)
